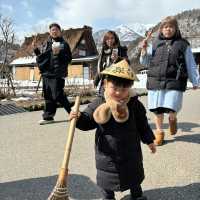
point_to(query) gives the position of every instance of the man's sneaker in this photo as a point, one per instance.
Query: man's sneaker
(44, 121)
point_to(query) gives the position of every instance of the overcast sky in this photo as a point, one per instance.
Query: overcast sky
(35, 15)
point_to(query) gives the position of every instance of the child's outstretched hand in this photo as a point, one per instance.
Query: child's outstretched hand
(152, 147)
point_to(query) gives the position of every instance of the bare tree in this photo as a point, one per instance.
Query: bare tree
(6, 44)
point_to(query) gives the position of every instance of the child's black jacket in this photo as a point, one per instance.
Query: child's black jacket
(118, 151)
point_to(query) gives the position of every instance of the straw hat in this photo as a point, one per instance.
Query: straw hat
(121, 69)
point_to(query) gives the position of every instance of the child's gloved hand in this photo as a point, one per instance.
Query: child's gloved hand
(118, 109)
(102, 113)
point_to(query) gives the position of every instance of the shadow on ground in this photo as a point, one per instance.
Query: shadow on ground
(191, 138)
(79, 187)
(188, 192)
(182, 126)
(82, 188)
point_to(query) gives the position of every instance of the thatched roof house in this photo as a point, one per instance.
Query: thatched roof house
(74, 37)
(82, 45)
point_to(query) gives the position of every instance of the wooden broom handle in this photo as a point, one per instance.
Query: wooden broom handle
(72, 126)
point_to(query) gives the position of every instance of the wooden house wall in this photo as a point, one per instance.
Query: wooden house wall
(36, 74)
(33, 73)
(82, 70)
(75, 71)
(27, 73)
(22, 73)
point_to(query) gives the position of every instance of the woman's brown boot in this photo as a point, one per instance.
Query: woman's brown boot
(159, 137)
(172, 126)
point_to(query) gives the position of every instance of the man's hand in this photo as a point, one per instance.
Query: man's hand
(56, 48)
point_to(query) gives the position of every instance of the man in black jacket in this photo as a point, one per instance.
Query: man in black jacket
(53, 63)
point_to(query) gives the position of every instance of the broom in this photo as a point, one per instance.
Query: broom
(60, 190)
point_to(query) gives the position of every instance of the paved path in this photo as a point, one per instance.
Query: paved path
(30, 157)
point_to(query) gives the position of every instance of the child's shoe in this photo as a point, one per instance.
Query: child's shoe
(159, 137)
(172, 126)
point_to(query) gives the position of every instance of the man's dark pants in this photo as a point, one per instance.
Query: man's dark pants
(53, 89)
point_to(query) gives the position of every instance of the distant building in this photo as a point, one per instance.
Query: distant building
(84, 55)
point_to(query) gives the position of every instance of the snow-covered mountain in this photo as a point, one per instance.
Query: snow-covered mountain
(140, 28)
(126, 33)
(98, 36)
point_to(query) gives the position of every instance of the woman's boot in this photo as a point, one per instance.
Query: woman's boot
(159, 137)
(172, 126)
